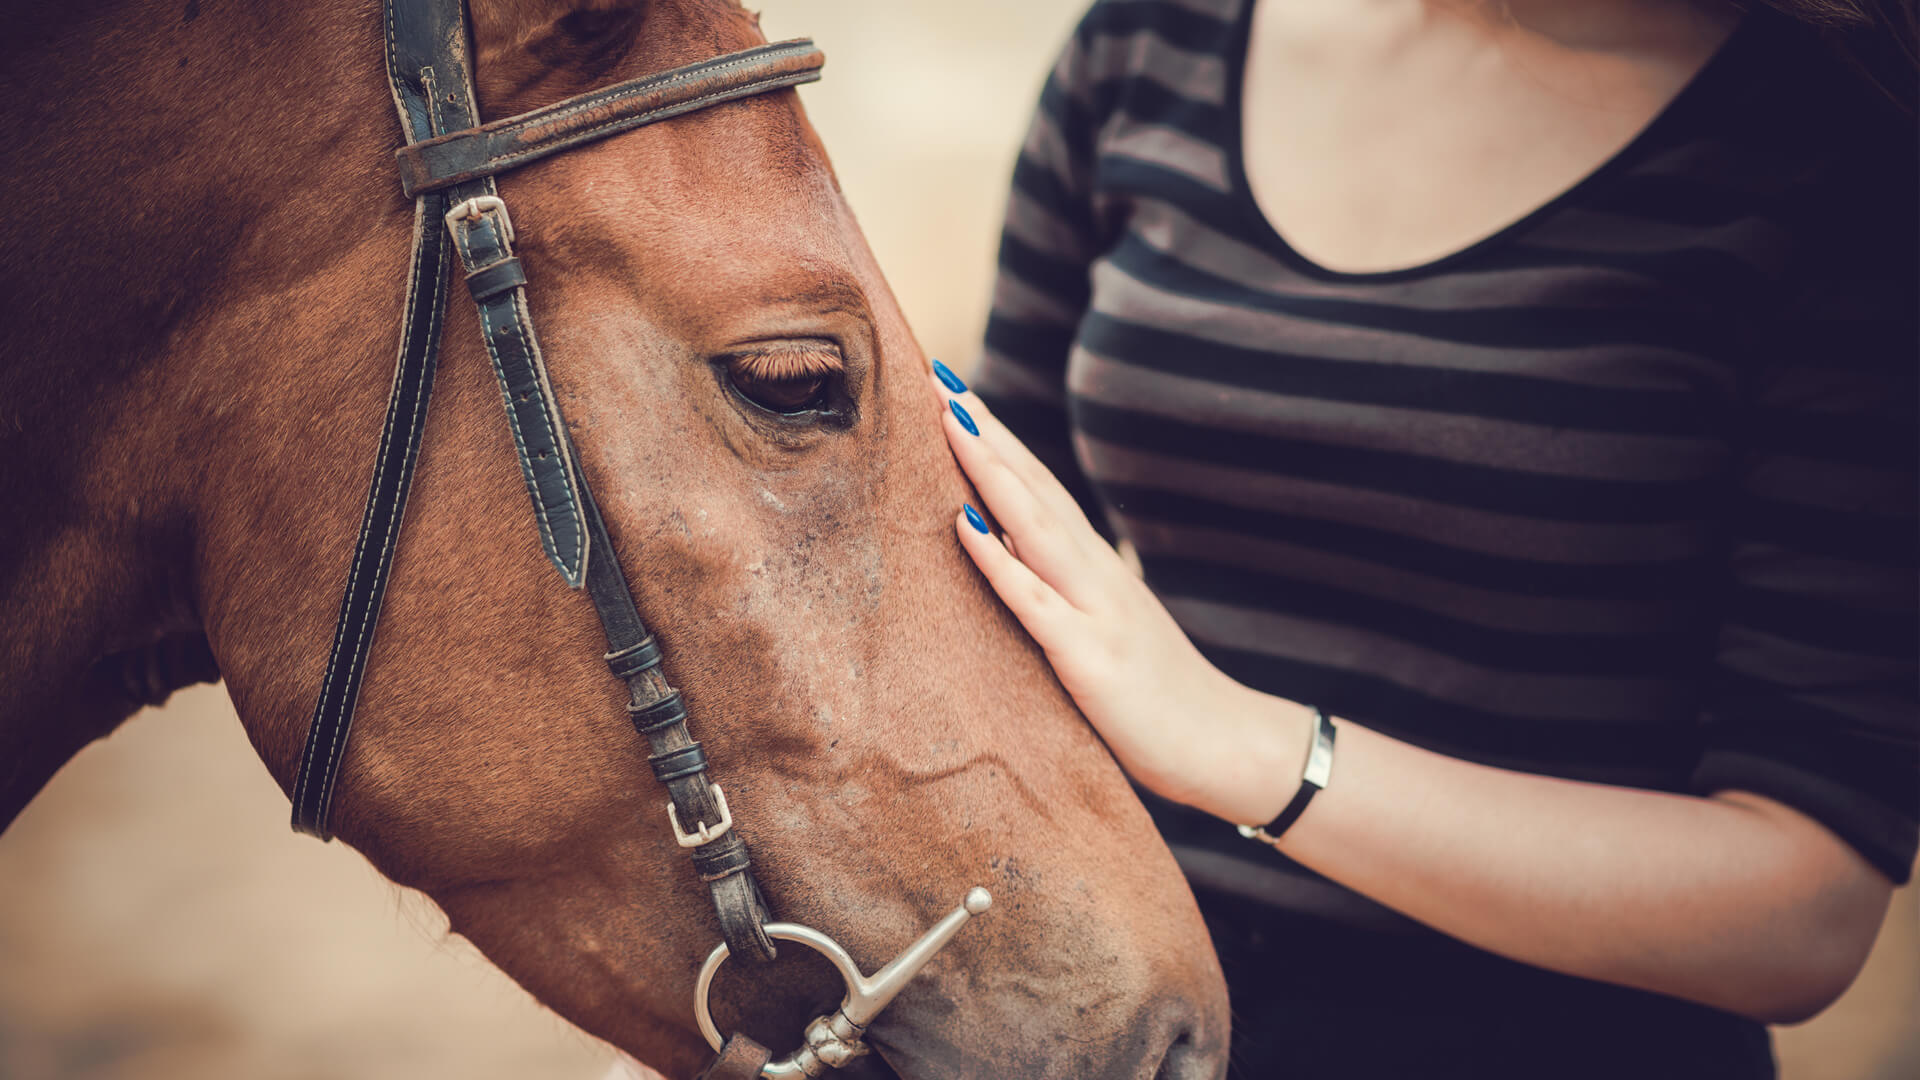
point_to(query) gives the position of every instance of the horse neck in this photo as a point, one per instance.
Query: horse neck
(152, 157)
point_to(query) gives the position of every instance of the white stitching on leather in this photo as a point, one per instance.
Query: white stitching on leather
(306, 776)
(363, 639)
(367, 620)
(693, 104)
(642, 85)
(562, 445)
(303, 781)
(506, 391)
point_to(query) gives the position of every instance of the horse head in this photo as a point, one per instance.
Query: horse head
(207, 248)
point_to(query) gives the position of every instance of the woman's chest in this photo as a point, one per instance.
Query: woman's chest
(1590, 407)
(1377, 139)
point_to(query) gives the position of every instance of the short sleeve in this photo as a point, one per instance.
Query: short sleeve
(1814, 700)
(1047, 245)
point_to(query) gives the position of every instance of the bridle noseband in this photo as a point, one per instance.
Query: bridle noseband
(447, 166)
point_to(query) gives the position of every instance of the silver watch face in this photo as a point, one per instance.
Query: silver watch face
(1319, 752)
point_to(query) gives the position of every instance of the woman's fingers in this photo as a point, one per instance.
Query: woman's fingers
(1045, 544)
(1035, 603)
(1043, 525)
(1038, 478)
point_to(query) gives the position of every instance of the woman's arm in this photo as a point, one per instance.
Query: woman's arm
(1734, 901)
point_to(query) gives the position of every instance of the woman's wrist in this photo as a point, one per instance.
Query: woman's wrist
(1260, 754)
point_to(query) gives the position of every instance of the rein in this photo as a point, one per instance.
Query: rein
(448, 167)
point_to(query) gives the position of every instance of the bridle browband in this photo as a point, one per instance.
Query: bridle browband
(447, 166)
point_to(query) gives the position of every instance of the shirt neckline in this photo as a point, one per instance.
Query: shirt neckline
(1262, 229)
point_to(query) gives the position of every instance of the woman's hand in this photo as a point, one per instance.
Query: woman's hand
(1735, 900)
(1175, 722)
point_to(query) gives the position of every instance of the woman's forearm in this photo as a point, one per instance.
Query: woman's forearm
(1734, 901)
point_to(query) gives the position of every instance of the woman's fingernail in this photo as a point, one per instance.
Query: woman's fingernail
(974, 519)
(960, 414)
(947, 378)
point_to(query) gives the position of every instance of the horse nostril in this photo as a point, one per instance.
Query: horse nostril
(1186, 1061)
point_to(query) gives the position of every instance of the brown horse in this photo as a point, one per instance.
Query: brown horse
(204, 252)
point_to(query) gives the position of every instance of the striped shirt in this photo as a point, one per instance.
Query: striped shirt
(1623, 493)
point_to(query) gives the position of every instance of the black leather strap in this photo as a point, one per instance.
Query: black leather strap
(490, 281)
(675, 764)
(656, 714)
(494, 148)
(660, 715)
(1314, 778)
(393, 463)
(1291, 812)
(379, 525)
(635, 658)
(740, 1058)
(430, 74)
(482, 236)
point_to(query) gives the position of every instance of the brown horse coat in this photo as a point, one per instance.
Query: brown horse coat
(204, 249)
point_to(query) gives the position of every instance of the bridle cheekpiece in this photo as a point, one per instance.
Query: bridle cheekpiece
(447, 166)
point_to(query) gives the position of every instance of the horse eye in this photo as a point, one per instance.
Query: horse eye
(787, 396)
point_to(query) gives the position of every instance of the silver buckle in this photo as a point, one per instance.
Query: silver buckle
(480, 204)
(702, 834)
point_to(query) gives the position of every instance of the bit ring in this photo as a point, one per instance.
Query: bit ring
(794, 932)
(834, 1039)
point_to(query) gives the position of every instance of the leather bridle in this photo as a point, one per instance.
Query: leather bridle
(448, 167)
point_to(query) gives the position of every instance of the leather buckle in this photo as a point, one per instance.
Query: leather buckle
(481, 204)
(703, 833)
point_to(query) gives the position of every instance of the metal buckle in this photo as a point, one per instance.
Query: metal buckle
(702, 834)
(834, 1040)
(478, 205)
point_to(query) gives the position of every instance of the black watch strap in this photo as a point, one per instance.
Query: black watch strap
(1316, 775)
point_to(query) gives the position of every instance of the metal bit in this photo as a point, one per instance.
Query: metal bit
(835, 1039)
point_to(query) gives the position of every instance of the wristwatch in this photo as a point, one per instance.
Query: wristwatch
(1315, 776)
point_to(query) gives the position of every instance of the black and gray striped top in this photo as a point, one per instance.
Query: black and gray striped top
(1625, 492)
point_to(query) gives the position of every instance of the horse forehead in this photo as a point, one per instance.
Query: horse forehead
(531, 53)
(748, 168)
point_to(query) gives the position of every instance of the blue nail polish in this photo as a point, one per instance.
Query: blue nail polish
(960, 414)
(947, 378)
(974, 519)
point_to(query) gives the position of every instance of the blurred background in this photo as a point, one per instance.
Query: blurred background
(159, 921)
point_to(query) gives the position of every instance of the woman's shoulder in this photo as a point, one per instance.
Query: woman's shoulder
(1156, 39)
(1785, 142)
(1789, 85)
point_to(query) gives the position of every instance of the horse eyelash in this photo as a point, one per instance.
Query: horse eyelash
(786, 365)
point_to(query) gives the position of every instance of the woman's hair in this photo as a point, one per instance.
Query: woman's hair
(1880, 39)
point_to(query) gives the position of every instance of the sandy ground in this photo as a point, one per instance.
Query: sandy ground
(158, 921)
